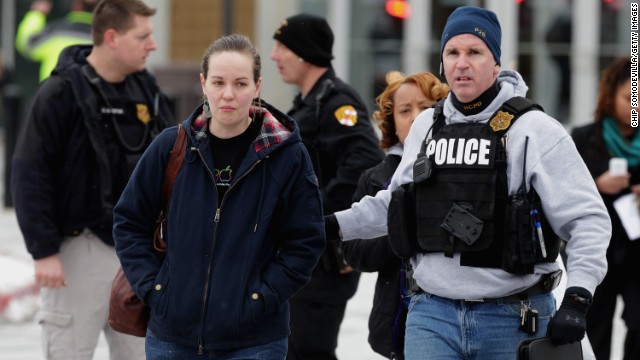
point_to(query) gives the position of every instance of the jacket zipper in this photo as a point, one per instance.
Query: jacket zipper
(216, 220)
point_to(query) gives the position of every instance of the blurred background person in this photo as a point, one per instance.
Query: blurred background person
(557, 36)
(611, 135)
(398, 105)
(336, 129)
(41, 42)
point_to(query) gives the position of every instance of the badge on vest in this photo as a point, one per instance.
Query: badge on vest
(142, 111)
(501, 121)
(346, 115)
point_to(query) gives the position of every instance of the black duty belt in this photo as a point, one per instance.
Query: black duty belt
(546, 284)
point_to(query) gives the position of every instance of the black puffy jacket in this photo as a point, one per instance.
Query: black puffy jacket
(387, 319)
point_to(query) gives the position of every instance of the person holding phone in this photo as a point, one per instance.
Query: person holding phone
(608, 141)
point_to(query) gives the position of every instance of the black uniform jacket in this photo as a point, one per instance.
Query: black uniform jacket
(340, 151)
(61, 178)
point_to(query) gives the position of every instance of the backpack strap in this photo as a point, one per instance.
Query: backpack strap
(176, 157)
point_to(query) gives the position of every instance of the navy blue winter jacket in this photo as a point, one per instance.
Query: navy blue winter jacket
(229, 270)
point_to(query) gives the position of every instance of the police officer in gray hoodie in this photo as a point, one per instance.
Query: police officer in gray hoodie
(470, 302)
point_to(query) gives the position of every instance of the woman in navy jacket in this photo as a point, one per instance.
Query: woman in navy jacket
(245, 225)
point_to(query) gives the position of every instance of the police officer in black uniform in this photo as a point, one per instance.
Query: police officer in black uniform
(335, 127)
(86, 128)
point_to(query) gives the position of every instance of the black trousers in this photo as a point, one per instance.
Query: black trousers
(316, 314)
(618, 281)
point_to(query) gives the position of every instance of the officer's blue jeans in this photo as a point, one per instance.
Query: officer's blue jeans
(162, 350)
(440, 328)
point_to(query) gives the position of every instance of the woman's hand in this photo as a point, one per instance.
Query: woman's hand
(612, 184)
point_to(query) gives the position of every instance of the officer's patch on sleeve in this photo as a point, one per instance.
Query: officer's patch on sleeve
(346, 115)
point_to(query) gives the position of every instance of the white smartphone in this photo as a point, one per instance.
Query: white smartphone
(617, 166)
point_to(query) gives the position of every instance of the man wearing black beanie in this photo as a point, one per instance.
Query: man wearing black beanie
(335, 127)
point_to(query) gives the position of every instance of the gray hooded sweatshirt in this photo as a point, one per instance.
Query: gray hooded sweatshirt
(569, 198)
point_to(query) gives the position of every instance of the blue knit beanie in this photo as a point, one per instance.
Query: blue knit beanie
(477, 21)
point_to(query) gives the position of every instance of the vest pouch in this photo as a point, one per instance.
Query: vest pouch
(519, 246)
(528, 238)
(544, 232)
(401, 222)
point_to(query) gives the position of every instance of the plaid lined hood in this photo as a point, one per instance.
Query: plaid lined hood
(277, 127)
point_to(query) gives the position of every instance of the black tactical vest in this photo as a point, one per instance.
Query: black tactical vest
(461, 206)
(467, 189)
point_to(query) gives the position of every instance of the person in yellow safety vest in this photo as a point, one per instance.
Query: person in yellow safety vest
(41, 42)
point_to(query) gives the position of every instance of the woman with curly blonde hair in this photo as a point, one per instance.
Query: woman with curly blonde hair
(398, 105)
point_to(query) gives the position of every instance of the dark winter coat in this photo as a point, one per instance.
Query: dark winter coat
(340, 153)
(229, 270)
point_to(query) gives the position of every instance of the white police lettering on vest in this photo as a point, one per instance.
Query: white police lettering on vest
(460, 151)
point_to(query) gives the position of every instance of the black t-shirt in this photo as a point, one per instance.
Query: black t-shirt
(228, 155)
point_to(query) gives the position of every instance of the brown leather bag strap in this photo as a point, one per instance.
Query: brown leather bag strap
(173, 165)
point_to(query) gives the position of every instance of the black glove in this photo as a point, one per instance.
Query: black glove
(569, 323)
(331, 228)
(334, 253)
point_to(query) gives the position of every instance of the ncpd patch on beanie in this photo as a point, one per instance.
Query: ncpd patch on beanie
(308, 36)
(474, 20)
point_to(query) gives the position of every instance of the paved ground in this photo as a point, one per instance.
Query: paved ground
(20, 337)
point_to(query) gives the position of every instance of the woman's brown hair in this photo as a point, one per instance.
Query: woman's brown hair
(612, 77)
